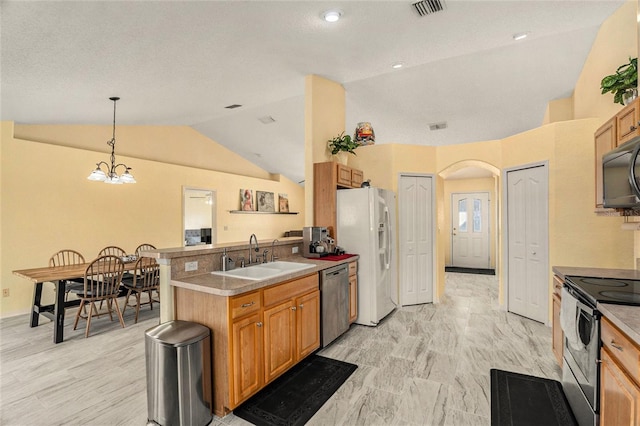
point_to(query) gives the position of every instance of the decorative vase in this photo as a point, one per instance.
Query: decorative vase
(364, 134)
(629, 96)
(341, 157)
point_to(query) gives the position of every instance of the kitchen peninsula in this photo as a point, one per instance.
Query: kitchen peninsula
(260, 327)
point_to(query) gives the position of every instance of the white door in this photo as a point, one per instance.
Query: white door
(415, 199)
(527, 225)
(470, 230)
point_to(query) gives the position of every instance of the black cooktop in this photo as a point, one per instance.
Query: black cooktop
(608, 290)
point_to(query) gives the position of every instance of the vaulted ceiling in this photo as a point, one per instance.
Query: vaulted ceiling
(183, 62)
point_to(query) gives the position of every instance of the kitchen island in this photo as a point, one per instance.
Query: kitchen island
(260, 328)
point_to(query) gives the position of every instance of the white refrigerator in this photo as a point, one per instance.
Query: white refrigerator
(366, 220)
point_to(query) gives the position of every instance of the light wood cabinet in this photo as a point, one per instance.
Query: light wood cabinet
(256, 336)
(353, 292)
(619, 380)
(557, 336)
(628, 122)
(328, 178)
(246, 358)
(605, 140)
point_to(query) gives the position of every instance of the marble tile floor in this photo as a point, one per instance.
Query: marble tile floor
(423, 365)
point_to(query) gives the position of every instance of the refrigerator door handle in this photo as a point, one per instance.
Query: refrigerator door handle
(387, 232)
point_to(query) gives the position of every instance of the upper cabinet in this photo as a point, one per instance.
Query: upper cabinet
(328, 177)
(628, 122)
(621, 128)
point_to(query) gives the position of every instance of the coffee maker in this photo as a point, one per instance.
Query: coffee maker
(314, 241)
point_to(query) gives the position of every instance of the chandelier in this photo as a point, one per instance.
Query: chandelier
(111, 176)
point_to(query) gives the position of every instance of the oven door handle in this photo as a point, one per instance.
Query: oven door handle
(574, 293)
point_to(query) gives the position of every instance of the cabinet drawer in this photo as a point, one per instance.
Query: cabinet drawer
(285, 291)
(353, 268)
(244, 304)
(618, 344)
(557, 285)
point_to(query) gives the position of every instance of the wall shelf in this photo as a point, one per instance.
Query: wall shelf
(257, 212)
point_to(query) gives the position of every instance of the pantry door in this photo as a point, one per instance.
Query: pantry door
(528, 242)
(416, 230)
(470, 230)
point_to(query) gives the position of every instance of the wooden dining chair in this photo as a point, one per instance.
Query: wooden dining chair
(101, 283)
(146, 279)
(68, 257)
(112, 251)
(143, 247)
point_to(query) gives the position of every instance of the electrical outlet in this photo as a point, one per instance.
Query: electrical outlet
(5, 292)
(191, 266)
(294, 250)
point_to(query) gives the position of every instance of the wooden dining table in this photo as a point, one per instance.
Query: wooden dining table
(58, 275)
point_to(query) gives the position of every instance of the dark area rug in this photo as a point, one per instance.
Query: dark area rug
(294, 397)
(521, 400)
(470, 270)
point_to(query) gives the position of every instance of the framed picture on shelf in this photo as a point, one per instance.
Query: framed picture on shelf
(246, 200)
(265, 201)
(283, 203)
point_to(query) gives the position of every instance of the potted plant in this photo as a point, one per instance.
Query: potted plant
(625, 79)
(341, 145)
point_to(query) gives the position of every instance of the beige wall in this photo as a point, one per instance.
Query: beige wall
(617, 40)
(47, 204)
(324, 116)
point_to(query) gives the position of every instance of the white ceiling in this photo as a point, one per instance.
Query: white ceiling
(182, 62)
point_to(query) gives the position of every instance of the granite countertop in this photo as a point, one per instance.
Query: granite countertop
(625, 317)
(230, 286)
(204, 249)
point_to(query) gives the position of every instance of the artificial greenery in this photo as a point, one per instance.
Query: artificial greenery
(626, 77)
(342, 142)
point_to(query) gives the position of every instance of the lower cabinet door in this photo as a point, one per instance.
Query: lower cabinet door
(353, 298)
(619, 395)
(557, 338)
(308, 324)
(246, 356)
(279, 339)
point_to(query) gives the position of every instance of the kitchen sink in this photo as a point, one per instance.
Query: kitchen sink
(265, 270)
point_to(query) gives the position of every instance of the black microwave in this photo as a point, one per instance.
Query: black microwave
(621, 176)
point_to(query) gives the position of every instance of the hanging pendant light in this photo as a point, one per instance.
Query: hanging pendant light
(110, 176)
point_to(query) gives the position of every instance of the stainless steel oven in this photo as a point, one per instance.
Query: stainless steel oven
(580, 372)
(580, 320)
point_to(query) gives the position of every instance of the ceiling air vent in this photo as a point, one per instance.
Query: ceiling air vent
(427, 7)
(438, 126)
(233, 106)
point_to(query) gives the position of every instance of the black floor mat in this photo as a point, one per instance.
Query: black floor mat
(470, 270)
(294, 398)
(518, 399)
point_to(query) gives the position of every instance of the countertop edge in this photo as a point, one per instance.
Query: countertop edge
(227, 286)
(625, 317)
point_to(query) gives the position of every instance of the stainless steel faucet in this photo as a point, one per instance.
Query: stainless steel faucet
(257, 249)
(273, 251)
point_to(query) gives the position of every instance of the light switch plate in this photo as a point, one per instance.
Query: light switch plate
(191, 266)
(294, 250)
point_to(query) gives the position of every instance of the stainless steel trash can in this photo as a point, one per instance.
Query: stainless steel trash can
(178, 360)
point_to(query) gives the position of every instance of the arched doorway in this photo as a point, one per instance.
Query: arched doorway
(470, 180)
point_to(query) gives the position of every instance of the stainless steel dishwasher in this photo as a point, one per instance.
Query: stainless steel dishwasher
(334, 289)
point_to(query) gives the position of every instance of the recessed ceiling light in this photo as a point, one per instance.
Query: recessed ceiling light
(520, 36)
(332, 15)
(397, 65)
